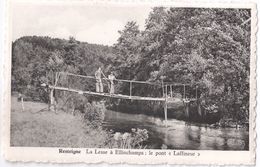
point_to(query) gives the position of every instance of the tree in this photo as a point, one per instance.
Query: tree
(205, 47)
(127, 50)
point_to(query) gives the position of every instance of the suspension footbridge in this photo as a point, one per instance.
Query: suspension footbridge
(70, 82)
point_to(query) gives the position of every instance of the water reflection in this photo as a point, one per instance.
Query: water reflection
(178, 134)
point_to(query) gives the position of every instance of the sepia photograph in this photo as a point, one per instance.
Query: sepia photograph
(131, 77)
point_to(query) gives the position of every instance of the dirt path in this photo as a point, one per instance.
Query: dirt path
(50, 129)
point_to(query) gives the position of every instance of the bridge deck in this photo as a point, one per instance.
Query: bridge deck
(108, 95)
(119, 96)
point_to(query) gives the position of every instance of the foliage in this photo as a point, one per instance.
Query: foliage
(126, 140)
(95, 114)
(209, 48)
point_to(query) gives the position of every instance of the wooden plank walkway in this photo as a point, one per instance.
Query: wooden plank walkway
(119, 96)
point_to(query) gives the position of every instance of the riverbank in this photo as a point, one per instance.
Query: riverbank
(178, 134)
(38, 127)
(177, 111)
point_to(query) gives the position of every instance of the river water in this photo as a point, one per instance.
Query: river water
(178, 134)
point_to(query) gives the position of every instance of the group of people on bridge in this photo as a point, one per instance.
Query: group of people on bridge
(99, 84)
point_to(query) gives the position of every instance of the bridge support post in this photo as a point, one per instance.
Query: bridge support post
(187, 109)
(22, 103)
(165, 114)
(130, 88)
(51, 100)
(171, 91)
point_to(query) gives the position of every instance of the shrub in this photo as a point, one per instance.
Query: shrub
(133, 140)
(95, 114)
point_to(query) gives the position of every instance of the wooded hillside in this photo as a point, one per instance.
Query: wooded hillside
(33, 58)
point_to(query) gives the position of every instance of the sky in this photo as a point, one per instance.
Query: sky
(90, 23)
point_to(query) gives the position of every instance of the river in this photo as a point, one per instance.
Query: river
(178, 134)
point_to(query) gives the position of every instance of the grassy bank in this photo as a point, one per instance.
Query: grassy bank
(42, 128)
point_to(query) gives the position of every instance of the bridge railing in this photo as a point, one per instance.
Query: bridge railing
(187, 91)
(122, 86)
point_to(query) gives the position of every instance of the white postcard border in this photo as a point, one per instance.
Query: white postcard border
(46, 154)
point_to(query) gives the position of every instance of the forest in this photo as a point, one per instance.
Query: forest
(204, 47)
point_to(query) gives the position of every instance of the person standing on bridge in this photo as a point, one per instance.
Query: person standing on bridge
(99, 85)
(111, 78)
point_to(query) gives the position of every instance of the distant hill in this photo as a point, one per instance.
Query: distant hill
(34, 57)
